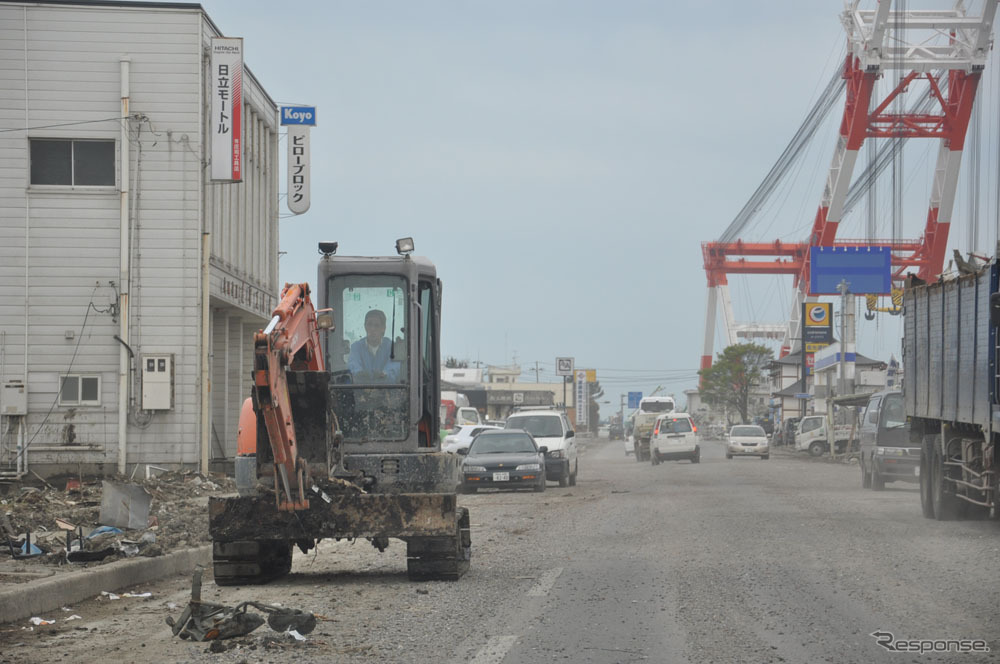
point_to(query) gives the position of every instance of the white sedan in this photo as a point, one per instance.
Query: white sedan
(461, 437)
(747, 440)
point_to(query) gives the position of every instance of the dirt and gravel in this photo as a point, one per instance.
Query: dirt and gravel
(784, 560)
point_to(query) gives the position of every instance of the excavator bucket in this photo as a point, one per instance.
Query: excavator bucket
(309, 394)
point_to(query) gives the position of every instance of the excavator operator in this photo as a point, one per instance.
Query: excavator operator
(370, 359)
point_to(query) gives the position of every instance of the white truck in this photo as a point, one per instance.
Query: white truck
(811, 435)
(645, 419)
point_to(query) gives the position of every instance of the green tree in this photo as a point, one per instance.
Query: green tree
(732, 377)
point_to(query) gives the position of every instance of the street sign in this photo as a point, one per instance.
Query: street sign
(633, 399)
(817, 322)
(867, 269)
(803, 395)
(591, 375)
(582, 401)
(815, 348)
(298, 168)
(564, 366)
(298, 115)
(226, 121)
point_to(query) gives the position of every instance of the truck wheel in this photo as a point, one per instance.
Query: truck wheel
(564, 478)
(866, 477)
(926, 457)
(697, 455)
(816, 448)
(576, 469)
(654, 457)
(637, 453)
(729, 456)
(540, 486)
(878, 483)
(945, 503)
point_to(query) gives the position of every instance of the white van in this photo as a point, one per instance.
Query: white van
(551, 428)
(675, 436)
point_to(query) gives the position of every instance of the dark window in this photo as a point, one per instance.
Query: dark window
(73, 163)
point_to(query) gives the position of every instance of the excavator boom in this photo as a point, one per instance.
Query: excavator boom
(290, 341)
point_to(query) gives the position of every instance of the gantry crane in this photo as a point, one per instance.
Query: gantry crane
(947, 50)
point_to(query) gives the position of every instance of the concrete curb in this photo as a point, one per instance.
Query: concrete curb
(37, 597)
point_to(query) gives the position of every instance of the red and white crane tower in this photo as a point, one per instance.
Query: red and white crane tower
(945, 49)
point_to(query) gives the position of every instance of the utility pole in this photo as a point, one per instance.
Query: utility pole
(536, 372)
(843, 288)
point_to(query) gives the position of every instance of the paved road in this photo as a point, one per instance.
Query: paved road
(785, 560)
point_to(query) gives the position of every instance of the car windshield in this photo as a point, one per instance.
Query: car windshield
(656, 406)
(895, 415)
(539, 426)
(678, 425)
(503, 443)
(748, 431)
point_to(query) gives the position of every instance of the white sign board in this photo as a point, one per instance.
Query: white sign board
(564, 366)
(226, 121)
(582, 398)
(298, 168)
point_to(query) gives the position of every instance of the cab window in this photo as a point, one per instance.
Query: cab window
(871, 413)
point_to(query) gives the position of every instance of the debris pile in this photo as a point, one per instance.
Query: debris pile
(208, 621)
(92, 522)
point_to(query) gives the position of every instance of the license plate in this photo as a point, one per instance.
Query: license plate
(501, 477)
(916, 471)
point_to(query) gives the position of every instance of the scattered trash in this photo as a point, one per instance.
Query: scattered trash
(104, 530)
(111, 596)
(137, 594)
(42, 621)
(63, 524)
(74, 617)
(208, 621)
(124, 505)
(295, 635)
(172, 605)
(80, 556)
(72, 485)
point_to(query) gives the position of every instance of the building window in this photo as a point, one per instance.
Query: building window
(74, 163)
(79, 390)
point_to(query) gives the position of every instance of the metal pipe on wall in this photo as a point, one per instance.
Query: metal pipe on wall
(206, 342)
(123, 277)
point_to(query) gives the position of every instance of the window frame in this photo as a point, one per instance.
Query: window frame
(79, 402)
(72, 165)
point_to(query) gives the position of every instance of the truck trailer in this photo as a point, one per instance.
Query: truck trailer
(950, 390)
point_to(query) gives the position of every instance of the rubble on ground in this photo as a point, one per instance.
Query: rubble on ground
(68, 512)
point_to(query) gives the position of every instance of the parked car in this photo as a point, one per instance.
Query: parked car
(747, 440)
(675, 436)
(887, 453)
(461, 437)
(551, 429)
(505, 459)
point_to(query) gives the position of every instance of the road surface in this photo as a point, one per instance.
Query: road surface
(784, 560)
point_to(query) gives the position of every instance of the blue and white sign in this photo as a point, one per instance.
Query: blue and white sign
(298, 115)
(633, 399)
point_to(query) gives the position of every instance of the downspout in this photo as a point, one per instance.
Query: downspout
(123, 277)
(206, 248)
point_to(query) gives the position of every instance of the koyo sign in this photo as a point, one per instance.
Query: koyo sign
(298, 115)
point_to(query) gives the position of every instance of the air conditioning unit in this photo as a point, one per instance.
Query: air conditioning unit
(157, 382)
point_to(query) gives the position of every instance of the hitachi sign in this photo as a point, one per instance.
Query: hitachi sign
(298, 115)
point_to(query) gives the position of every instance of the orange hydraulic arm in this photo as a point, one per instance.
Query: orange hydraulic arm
(290, 341)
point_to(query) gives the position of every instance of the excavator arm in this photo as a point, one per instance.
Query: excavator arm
(290, 341)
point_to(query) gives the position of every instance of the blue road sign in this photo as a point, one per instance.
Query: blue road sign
(633, 399)
(298, 115)
(865, 269)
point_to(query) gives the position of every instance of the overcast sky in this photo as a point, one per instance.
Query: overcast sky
(560, 162)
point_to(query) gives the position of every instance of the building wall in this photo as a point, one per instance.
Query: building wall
(59, 245)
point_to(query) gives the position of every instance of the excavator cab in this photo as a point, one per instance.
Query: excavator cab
(383, 358)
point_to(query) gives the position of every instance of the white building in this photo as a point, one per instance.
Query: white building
(119, 255)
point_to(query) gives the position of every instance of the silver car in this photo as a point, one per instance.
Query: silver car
(747, 440)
